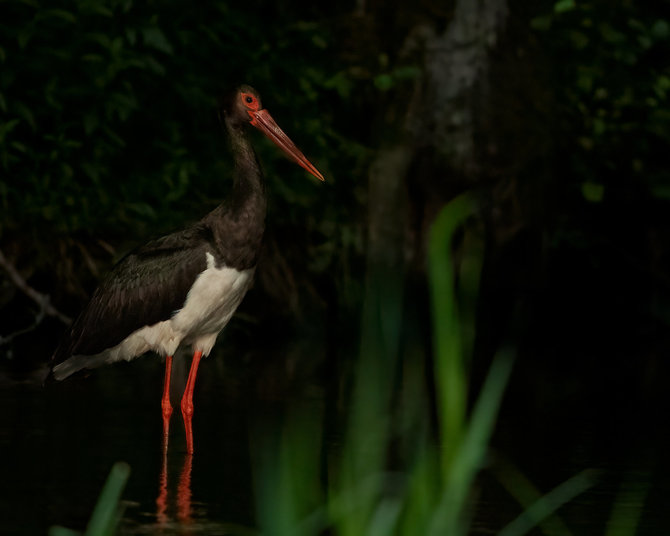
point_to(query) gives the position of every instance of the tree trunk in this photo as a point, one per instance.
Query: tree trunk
(433, 155)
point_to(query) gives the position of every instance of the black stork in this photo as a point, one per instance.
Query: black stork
(183, 288)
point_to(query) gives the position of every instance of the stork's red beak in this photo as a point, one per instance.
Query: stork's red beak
(263, 121)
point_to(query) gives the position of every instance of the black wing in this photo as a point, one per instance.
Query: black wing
(145, 287)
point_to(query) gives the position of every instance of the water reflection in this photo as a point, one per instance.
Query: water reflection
(184, 513)
(184, 492)
(57, 447)
(162, 499)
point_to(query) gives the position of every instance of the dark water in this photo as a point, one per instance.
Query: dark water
(58, 445)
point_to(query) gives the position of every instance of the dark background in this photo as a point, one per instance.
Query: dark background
(554, 115)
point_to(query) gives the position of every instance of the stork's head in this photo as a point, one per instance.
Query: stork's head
(243, 106)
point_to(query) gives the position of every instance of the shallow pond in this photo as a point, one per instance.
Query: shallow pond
(59, 443)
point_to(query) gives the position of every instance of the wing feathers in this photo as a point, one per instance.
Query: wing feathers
(145, 287)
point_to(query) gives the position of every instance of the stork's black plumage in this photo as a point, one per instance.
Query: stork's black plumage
(183, 288)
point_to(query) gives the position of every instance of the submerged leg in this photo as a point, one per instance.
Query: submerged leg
(165, 401)
(187, 401)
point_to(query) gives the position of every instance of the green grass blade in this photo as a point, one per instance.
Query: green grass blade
(105, 516)
(62, 531)
(548, 504)
(385, 518)
(526, 494)
(449, 367)
(628, 505)
(448, 517)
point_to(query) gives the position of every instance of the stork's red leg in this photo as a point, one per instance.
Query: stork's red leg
(187, 401)
(165, 401)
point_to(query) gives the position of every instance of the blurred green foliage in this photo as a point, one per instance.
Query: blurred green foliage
(612, 80)
(108, 510)
(428, 487)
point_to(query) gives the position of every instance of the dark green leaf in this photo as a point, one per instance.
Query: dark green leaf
(155, 38)
(564, 5)
(60, 14)
(593, 192)
(660, 29)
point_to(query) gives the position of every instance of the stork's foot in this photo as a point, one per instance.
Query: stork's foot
(187, 401)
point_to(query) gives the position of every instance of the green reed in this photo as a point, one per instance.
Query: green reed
(107, 512)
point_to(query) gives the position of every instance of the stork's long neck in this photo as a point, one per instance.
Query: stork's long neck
(248, 183)
(238, 223)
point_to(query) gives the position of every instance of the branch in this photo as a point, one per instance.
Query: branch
(40, 299)
(9, 338)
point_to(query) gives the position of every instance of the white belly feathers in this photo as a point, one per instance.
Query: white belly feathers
(209, 305)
